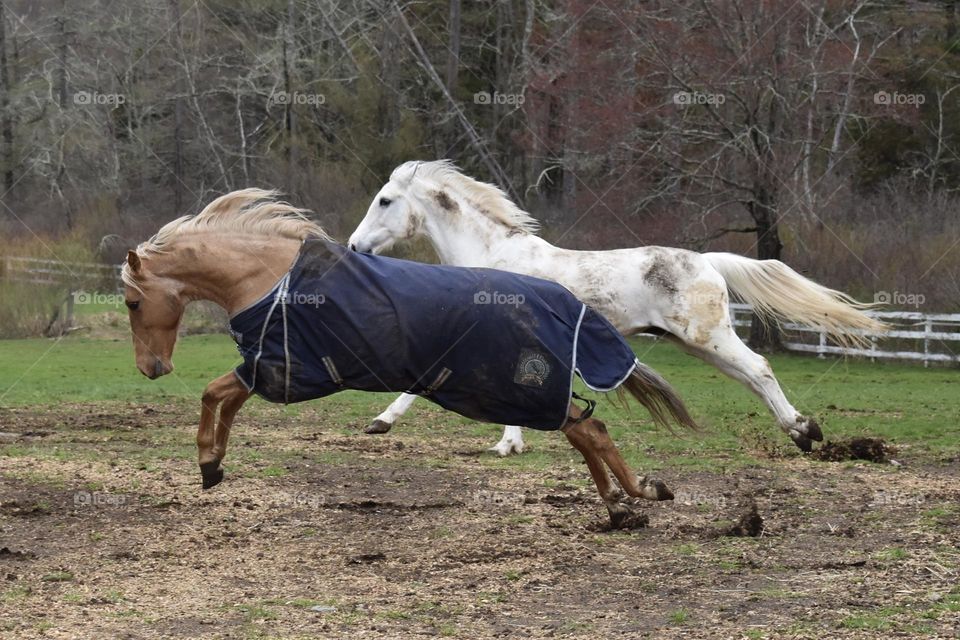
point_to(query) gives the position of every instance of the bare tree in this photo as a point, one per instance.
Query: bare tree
(758, 96)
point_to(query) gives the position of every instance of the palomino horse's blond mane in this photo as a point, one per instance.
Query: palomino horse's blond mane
(248, 211)
(489, 199)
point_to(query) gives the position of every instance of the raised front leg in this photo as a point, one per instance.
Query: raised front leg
(383, 422)
(228, 391)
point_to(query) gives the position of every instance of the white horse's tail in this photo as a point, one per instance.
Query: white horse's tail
(776, 291)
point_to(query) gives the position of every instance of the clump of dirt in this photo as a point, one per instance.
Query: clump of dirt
(871, 449)
(750, 524)
(629, 518)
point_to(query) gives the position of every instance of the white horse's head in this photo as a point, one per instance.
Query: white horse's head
(420, 192)
(396, 213)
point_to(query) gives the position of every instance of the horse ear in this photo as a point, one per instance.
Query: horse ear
(134, 261)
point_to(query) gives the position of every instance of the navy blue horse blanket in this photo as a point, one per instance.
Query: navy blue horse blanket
(490, 345)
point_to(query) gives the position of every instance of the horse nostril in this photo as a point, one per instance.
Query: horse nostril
(352, 246)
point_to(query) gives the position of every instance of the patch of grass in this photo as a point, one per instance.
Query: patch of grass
(14, 594)
(866, 622)
(491, 597)
(440, 533)
(394, 614)
(680, 616)
(894, 554)
(520, 519)
(256, 612)
(305, 603)
(273, 472)
(113, 596)
(57, 576)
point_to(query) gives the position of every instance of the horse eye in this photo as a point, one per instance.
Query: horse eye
(133, 305)
(385, 202)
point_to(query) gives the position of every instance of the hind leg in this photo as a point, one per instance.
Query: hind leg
(720, 346)
(591, 439)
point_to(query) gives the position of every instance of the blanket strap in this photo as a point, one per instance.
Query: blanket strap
(591, 405)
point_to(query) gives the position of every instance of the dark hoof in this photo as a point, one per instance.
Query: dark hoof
(378, 426)
(813, 431)
(212, 474)
(802, 441)
(654, 489)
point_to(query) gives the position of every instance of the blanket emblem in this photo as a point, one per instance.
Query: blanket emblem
(532, 369)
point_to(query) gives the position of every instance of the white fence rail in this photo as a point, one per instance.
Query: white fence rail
(938, 333)
(55, 272)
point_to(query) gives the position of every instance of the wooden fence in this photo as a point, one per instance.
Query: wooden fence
(56, 272)
(928, 337)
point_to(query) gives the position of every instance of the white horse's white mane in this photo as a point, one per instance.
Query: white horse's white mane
(487, 198)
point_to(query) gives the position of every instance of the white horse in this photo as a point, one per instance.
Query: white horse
(679, 294)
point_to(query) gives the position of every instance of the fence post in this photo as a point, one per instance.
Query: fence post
(927, 330)
(71, 298)
(822, 350)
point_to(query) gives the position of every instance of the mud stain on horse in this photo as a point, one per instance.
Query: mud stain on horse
(446, 202)
(661, 275)
(706, 305)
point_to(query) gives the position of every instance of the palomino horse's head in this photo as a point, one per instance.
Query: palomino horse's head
(249, 230)
(155, 307)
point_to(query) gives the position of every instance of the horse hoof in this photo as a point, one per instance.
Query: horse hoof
(504, 449)
(803, 441)
(378, 426)
(813, 431)
(212, 474)
(654, 489)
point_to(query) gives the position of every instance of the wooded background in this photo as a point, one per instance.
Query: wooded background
(822, 132)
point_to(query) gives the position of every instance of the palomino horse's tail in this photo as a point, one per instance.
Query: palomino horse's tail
(776, 291)
(658, 397)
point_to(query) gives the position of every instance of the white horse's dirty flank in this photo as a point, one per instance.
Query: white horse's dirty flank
(680, 293)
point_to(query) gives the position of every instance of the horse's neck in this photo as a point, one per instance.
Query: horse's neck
(471, 239)
(230, 271)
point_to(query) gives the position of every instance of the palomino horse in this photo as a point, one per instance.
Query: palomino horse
(673, 292)
(312, 318)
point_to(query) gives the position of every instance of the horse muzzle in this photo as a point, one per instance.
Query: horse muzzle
(156, 370)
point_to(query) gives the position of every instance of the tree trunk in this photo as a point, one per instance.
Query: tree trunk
(175, 16)
(453, 51)
(451, 129)
(288, 113)
(6, 121)
(766, 336)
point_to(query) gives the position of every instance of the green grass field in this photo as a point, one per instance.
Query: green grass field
(904, 404)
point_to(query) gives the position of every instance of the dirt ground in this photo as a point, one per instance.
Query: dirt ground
(320, 533)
